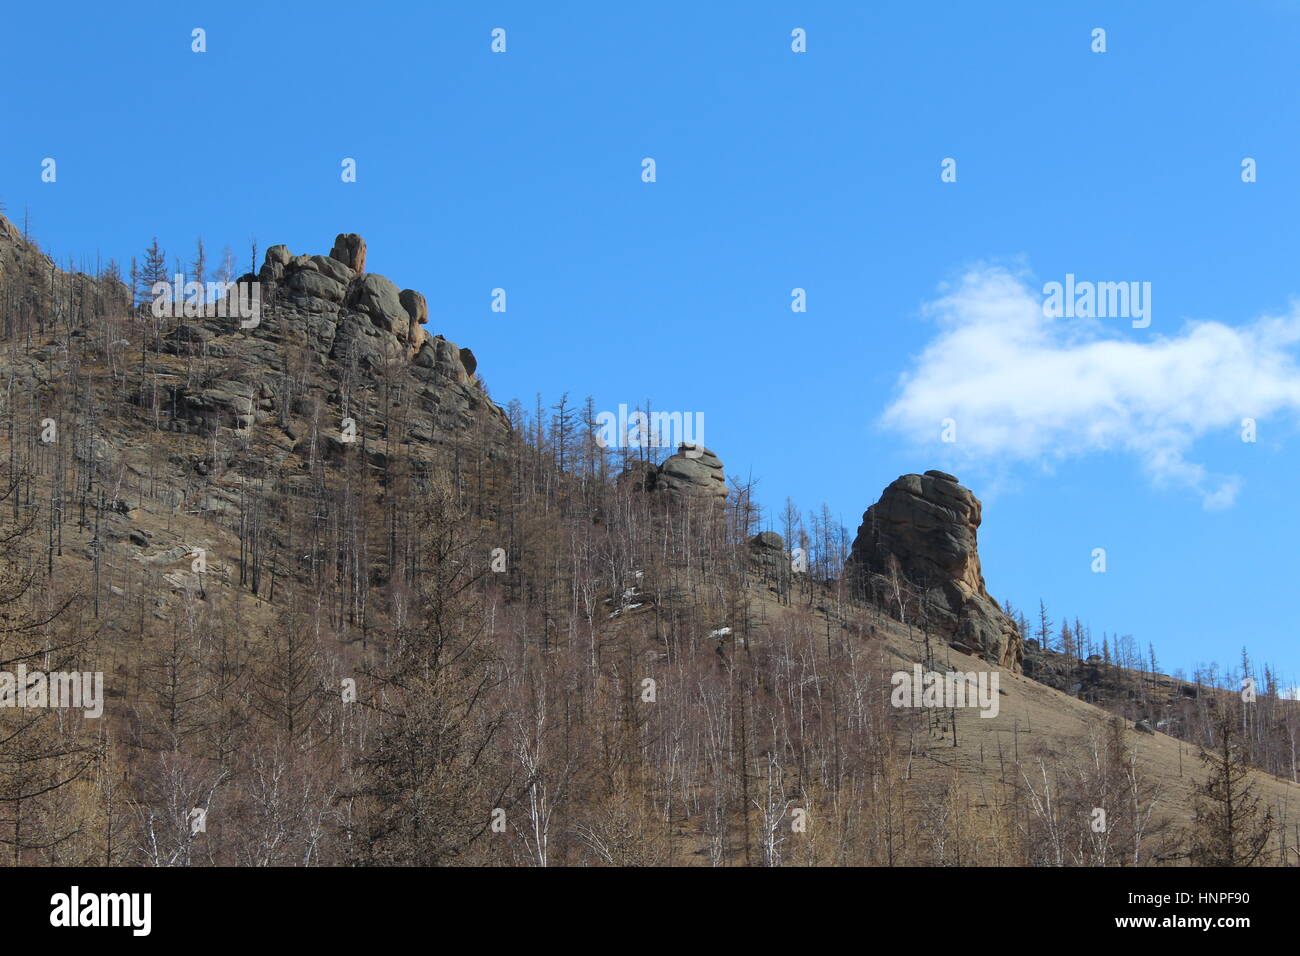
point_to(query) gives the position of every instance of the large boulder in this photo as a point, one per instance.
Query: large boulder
(379, 299)
(316, 285)
(693, 472)
(278, 255)
(415, 305)
(332, 268)
(924, 528)
(350, 249)
(444, 359)
(417, 311)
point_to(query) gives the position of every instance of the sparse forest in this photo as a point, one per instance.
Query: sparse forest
(435, 642)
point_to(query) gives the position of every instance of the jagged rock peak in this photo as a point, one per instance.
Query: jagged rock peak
(328, 309)
(337, 286)
(928, 525)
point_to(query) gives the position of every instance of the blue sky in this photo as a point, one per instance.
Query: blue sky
(777, 170)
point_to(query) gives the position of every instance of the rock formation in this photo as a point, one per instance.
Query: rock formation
(767, 555)
(350, 249)
(358, 324)
(693, 472)
(927, 524)
(693, 476)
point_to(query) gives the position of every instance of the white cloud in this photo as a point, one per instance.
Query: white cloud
(1025, 388)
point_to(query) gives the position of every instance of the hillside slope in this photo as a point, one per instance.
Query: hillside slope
(360, 614)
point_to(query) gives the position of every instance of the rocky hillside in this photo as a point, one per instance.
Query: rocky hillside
(328, 331)
(232, 518)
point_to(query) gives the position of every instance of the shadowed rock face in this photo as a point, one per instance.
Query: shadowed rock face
(928, 523)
